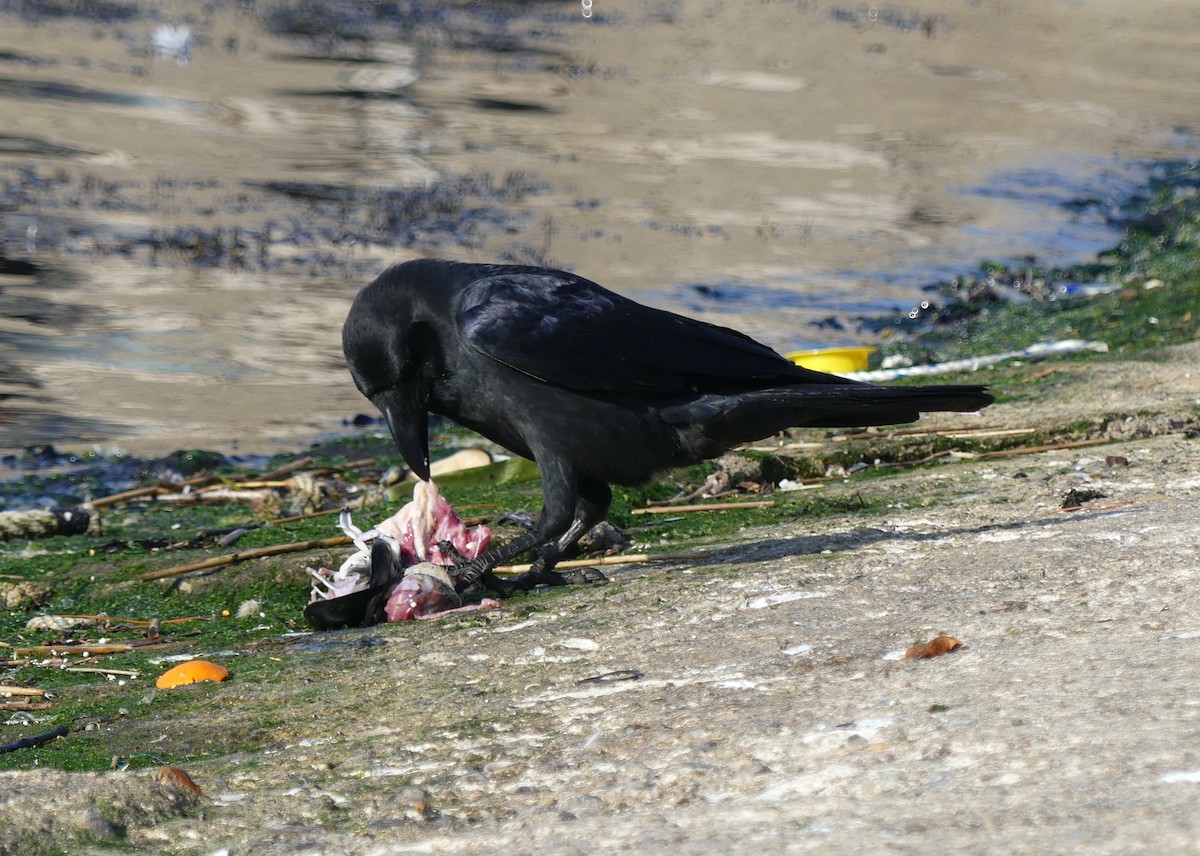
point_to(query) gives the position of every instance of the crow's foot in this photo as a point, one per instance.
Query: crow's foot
(547, 577)
(532, 579)
(499, 585)
(581, 576)
(450, 551)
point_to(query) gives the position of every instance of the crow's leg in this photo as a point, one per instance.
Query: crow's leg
(559, 498)
(571, 506)
(481, 566)
(591, 504)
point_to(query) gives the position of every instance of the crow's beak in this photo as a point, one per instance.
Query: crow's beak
(404, 409)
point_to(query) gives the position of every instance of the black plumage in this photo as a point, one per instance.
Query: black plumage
(595, 388)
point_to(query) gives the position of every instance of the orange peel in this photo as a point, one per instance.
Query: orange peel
(191, 672)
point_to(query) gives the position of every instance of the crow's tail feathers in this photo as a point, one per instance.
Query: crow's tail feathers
(725, 420)
(850, 406)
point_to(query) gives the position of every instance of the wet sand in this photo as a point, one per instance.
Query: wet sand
(800, 161)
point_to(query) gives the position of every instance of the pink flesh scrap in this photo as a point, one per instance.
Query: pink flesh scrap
(428, 520)
(425, 589)
(426, 592)
(418, 528)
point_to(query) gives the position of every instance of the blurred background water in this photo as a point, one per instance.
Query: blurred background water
(191, 193)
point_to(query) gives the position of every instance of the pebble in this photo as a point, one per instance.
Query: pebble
(580, 644)
(415, 802)
(97, 825)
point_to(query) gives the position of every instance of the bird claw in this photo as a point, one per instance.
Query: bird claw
(581, 576)
(546, 579)
(450, 551)
(518, 518)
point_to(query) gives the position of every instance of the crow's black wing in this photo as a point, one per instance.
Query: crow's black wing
(573, 333)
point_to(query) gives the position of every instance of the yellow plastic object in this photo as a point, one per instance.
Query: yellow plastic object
(833, 360)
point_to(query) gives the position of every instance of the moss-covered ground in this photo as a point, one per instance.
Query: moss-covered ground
(1156, 278)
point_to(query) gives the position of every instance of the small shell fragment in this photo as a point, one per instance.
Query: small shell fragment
(191, 672)
(58, 623)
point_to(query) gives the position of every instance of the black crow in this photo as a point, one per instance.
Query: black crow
(593, 387)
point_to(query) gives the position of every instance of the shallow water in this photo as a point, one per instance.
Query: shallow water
(181, 240)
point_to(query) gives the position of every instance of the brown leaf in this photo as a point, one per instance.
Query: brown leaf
(933, 648)
(177, 778)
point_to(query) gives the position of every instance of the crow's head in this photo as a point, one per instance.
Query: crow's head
(395, 360)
